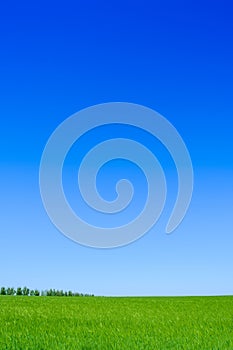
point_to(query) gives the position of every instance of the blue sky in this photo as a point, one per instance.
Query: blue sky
(172, 56)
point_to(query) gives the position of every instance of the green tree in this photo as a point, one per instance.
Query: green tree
(25, 291)
(37, 293)
(3, 291)
(19, 291)
(8, 291)
(49, 292)
(32, 292)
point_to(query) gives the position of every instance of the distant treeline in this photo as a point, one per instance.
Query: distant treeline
(35, 292)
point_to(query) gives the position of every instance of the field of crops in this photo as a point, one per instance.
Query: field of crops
(202, 323)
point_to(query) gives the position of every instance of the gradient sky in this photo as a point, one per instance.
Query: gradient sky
(172, 56)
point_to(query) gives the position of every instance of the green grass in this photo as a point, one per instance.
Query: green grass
(201, 323)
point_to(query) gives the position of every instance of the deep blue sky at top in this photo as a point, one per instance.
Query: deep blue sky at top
(173, 56)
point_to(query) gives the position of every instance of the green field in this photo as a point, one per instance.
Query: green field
(116, 323)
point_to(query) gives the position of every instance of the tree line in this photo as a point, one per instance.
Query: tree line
(25, 291)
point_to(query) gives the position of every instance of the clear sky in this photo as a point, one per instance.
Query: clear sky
(172, 56)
